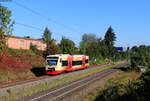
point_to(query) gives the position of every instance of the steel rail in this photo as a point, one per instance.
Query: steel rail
(4, 85)
(80, 83)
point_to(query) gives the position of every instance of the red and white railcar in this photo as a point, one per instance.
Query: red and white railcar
(56, 64)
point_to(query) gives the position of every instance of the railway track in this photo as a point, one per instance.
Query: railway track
(4, 85)
(62, 92)
(16, 86)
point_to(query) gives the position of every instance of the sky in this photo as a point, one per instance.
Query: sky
(130, 19)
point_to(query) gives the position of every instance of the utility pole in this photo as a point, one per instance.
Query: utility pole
(128, 54)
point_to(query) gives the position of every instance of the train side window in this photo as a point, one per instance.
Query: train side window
(86, 61)
(76, 63)
(64, 63)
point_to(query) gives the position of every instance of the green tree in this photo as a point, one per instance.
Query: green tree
(6, 25)
(48, 40)
(33, 48)
(110, 39)
(93, 46)
(100, 49)
(54, 48)
(87, 39)
(67, 46)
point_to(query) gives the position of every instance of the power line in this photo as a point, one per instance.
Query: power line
(28, 26)
(36, 28)
(47, 18)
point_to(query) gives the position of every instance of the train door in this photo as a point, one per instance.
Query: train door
(83, 61)
(69, 62)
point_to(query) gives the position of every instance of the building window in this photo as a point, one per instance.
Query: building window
(21, 41)
(37, 42)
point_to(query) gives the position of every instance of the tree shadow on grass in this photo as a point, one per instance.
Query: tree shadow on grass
(125, 69)
(38, 71)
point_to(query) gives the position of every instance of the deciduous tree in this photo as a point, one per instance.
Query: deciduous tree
(6, 25)
(67, 46)
(47, 38)
(87, 39)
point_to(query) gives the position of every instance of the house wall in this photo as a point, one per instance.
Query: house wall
(24, 43)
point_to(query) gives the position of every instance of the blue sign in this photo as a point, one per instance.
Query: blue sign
(119, 48)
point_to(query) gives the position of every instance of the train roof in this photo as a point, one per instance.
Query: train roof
(57, 55)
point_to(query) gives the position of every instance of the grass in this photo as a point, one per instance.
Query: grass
(120, 78)
(55, 83)
(15, 76)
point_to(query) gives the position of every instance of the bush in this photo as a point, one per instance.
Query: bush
(20, 60)
(10, 63)
(138, 90)
(96, 61)
(34, 59)
(140, 56)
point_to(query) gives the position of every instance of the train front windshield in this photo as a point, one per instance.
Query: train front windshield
(52, 61)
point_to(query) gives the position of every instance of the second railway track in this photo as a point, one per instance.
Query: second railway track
(17, 86)
(62, 92)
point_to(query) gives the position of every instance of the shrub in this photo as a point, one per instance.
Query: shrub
(35, 59)
(20, 60)
(140, 56)
(138, 90)
(10, 63)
